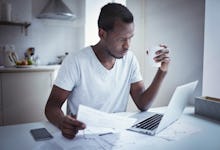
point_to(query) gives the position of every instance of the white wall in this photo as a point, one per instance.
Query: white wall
(211, 69)
(180, 25)
(91, 18)
(92, 11)
(49, 37)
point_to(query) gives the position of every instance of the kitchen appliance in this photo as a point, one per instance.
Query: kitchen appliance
(56, 9)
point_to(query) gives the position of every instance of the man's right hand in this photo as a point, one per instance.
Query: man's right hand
(70, 126)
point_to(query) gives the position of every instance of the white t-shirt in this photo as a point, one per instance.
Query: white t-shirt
(93, 85)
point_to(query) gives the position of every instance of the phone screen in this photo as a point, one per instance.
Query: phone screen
(40, 134)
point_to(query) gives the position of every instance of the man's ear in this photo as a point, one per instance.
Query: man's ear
(102, 33)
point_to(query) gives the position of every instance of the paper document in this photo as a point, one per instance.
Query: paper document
(123, 140)
(96, 118)
(178, 130)
(80, 142)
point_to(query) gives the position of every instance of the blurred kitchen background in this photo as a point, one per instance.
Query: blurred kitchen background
(186, 26)
(50, 38)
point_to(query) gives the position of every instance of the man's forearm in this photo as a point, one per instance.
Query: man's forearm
(149, 94)
(54, 115)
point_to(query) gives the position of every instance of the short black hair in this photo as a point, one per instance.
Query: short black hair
(110, 13)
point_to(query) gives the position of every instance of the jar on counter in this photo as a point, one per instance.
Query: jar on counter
(6, 11)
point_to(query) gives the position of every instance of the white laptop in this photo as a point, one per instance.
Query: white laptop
(154, 123)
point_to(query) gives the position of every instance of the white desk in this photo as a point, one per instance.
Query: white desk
(18, 137)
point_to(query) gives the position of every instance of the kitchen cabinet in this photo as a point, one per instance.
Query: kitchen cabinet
(24, 93)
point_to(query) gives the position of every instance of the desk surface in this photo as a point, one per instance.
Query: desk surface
(19, 137)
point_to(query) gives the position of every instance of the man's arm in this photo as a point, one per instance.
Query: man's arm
(55, 101)
(67, 124)
(144, 98)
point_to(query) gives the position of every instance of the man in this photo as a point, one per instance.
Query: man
(103, 75)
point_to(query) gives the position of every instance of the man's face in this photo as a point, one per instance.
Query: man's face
(118, 40)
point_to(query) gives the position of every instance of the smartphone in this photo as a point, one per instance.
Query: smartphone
(41, 134)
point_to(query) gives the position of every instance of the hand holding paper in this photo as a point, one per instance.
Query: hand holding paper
(96, 118)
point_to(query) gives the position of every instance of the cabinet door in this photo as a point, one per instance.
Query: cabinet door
(1, 108)
(24, 96)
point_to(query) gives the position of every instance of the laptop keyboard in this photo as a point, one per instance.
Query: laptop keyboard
(149, 123)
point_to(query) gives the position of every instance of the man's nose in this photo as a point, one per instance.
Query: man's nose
(126, 44)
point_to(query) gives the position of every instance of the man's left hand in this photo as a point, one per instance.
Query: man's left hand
(162, 56)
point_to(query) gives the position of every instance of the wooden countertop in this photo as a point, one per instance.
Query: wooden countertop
(28, 68)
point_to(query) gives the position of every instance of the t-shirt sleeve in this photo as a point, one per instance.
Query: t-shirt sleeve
(135, 71)
(68, 74)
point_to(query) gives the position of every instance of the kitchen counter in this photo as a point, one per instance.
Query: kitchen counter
(28, 68)
(24, 93)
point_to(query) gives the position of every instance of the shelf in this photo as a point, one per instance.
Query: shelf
(23, 25)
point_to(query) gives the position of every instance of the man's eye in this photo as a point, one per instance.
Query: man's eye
(122, 39)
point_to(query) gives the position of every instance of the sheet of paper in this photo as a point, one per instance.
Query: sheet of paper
(80, 142)
(96, 118)
(178, 130)
(97, 130)
(123, 140)
(47, 145)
